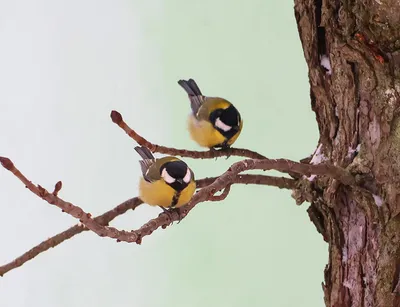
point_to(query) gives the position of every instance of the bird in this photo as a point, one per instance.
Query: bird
(214, 122)
(167, 182)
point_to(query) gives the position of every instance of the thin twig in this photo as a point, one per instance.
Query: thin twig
(103, 219)
(240, 152)
(57, 188)
(279, 182)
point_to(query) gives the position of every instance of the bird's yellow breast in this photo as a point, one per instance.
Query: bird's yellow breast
(159, 193)
(204, 133)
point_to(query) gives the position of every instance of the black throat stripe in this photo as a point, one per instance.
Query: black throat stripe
(175, 199)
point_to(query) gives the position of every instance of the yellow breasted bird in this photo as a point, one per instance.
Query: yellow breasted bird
(167, 182)
(214, 122)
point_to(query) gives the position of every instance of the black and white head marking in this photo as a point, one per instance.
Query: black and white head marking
(226, 121)
(176, 174)
(219, 124)
(188, 176)
(166, 176)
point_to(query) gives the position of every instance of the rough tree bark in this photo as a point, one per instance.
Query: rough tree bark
(356, 102)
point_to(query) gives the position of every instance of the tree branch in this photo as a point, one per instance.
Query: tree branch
(228, 178)
(279, 182)
(209, 186)
(107, 217)
(240, 152)
(164, 219)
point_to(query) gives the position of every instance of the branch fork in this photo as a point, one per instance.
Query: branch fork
(208, 187)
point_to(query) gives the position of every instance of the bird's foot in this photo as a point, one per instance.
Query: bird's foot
(225, 148)
(221, 148)
(169, 212)
(214, 150)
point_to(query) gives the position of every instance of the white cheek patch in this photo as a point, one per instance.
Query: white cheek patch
(222, 126)
(187, 177)
(167, 177)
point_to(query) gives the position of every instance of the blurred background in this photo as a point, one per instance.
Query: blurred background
(66, 64)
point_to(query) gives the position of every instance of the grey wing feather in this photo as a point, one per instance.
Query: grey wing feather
(186, 86)
(145, 165)
(190, 87)
(195, 88)
(195, 103)
(147, 162)
(144, 152)
(195, 95)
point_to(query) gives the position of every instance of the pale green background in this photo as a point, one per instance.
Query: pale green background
(64, 65)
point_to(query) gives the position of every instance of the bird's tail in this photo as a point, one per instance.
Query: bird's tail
(190, 86)
(144, 152)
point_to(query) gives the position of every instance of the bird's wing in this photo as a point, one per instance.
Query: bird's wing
(146, 166)
(195, 88)
(190, 87)
(195, 103)
(209, 105)
(144, 152)
(195, 96)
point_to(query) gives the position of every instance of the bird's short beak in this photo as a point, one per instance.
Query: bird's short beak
(179, 180)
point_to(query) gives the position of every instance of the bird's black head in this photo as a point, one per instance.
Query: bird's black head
(176, 174)
(226, 121)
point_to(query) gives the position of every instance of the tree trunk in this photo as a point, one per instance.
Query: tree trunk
(352, 52)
